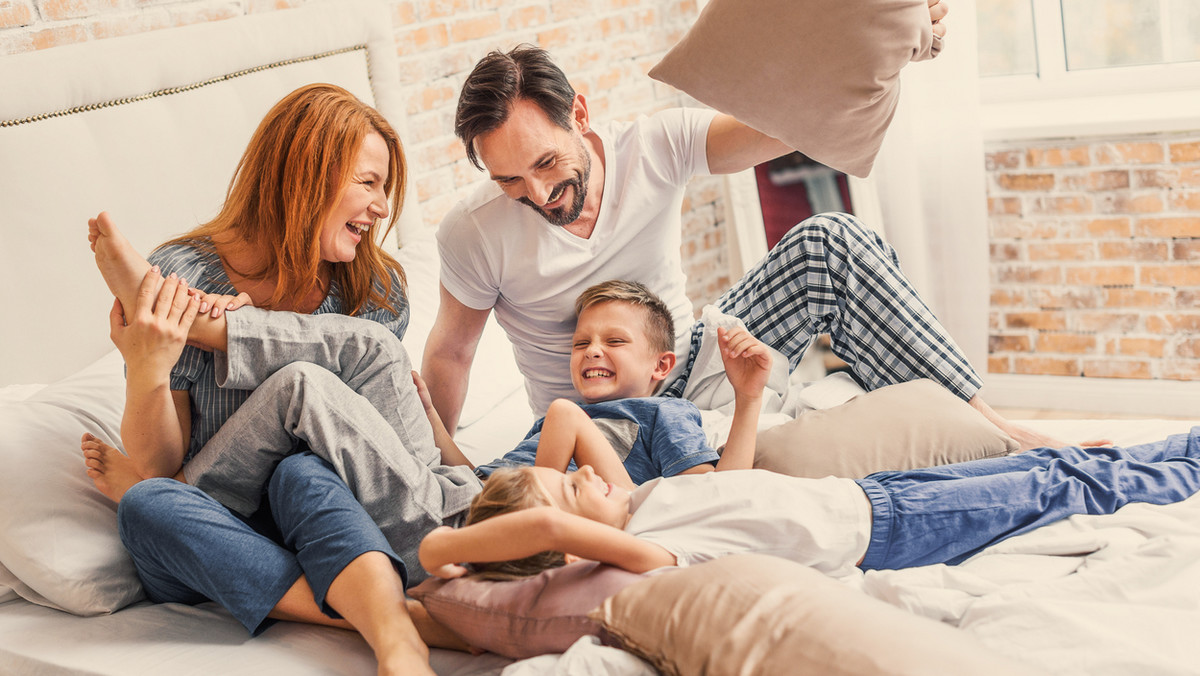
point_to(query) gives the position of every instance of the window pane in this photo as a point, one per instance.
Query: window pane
(1006, 38)
(1183, 31)
(1106, 33)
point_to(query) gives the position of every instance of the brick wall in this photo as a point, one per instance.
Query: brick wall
(606, 46)
(1095, 257)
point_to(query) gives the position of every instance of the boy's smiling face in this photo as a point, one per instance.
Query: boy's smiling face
(611, 355)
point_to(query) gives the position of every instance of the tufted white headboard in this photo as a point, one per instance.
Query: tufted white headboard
(150, 128)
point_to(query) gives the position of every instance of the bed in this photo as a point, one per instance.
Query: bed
(149, 127)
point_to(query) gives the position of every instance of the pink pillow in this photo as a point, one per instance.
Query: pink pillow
(542, 614)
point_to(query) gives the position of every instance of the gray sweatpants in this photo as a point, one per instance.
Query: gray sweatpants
(342, 388)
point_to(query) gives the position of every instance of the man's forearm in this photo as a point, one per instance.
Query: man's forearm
(447, 381)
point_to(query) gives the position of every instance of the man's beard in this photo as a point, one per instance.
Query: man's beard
(568, 213)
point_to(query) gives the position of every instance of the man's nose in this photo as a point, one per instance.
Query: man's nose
(539, 191)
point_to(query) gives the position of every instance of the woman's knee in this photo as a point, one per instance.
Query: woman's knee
(147, 501)
(151, 510)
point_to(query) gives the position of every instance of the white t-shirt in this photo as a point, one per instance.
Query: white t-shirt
(822, 523)
(498, 253)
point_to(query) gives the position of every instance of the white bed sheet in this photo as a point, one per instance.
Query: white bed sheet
(176, 639)
(1088, 596)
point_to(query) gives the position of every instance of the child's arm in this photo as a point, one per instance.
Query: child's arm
(568, 432)
(451, 453)
(747, 365)
(531, 531)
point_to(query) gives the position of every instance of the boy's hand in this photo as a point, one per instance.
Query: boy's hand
(747, 361)
(217, 303)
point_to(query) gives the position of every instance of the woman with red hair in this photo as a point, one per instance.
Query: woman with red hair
(297, 233)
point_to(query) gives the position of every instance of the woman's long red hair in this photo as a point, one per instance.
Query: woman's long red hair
(290, 178)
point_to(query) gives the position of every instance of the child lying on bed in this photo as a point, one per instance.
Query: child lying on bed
(530, 519)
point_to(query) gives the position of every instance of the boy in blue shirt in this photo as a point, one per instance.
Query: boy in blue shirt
(623, 349)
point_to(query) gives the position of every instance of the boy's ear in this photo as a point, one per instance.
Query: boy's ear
(571, 558)
(666, 362)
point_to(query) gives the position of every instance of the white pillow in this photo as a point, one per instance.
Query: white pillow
(58, 537)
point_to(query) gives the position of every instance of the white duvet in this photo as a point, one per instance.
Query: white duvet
(1091, 595)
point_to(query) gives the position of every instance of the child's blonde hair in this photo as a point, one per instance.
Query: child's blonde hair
(660, 326)
(511, 490)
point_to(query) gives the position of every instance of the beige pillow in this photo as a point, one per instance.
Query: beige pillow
(904, 426)
(759, 614)
(820, 75)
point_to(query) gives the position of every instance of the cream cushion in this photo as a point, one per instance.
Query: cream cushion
(903, 426)
(759, 614)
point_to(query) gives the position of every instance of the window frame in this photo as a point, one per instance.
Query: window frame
(1114, 100)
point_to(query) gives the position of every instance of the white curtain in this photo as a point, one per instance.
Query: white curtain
(927, 194)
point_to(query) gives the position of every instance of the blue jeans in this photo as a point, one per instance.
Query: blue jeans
(946, 514)
(189, 549)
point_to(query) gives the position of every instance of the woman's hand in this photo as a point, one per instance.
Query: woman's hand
(152, 336)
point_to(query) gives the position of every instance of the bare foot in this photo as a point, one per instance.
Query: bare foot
(120, 264)
(434, 633)
(1028, 439)
(404, 660)
(112, 471)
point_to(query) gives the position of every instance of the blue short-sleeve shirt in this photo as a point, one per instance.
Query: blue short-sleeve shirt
(655, 437)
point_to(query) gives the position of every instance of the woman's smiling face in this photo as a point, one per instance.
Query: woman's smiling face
(363, 200)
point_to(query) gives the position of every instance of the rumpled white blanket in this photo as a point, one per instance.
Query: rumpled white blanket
(585, 657)
(1090, 596)
(785, 396)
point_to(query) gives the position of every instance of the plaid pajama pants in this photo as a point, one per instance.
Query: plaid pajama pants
(830, 274)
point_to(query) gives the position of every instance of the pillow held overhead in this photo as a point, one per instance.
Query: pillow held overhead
(823, 76)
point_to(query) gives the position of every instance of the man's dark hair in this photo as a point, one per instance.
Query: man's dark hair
(498, 81)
